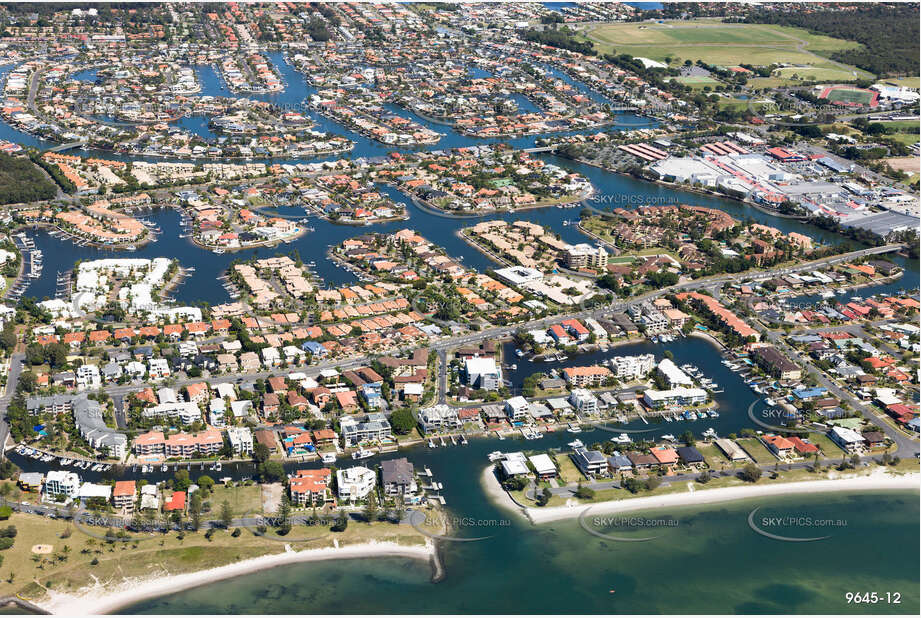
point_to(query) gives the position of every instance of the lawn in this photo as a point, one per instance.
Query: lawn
(243, 500)
(569, 473)
(713, 455)
(829, 449)
(735, 104)
(756, 450)
(904, 138)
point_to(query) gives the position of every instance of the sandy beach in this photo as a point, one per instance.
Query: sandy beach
(107, 597)
(879, 480)
(498, 495)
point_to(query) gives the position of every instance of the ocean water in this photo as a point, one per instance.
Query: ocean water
(709, 562)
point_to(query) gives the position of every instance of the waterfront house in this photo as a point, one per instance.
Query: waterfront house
(642, 461)
(732, 450)
(847, 439)
(438, 417)
(373, 427)
(123, 495)
(397, 478)
(517, 408)
(30, 481)
(666, 457)
(175, 503)
(590, 463)
(543, 466)
(355, 483)
(690, 456)
(61, 483)
(778, 445)
(514, 464)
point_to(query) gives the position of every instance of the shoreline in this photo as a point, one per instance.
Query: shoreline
(877, 481)
(109, 597)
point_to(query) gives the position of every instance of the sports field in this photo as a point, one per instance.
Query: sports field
(723, 44)
(850, 96)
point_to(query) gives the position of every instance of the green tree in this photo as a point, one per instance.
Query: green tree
(284, 515)
(226, 516)
(261, 453)
(402, 421)
(750, 473)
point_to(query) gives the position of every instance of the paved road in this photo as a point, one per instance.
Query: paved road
(11, 382)
(442, 375)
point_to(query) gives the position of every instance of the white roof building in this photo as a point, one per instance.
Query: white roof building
(92, 490)
(514, 464)
(356, 482)
(241, 439)
(542, 463)
(674, 377)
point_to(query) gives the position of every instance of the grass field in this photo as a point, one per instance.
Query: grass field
(906, 82)
(698, 82)
(817, 74)
(904, 138)
(726, 45)
(903, 126)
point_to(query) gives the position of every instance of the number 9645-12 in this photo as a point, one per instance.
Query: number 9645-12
(872, 598)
